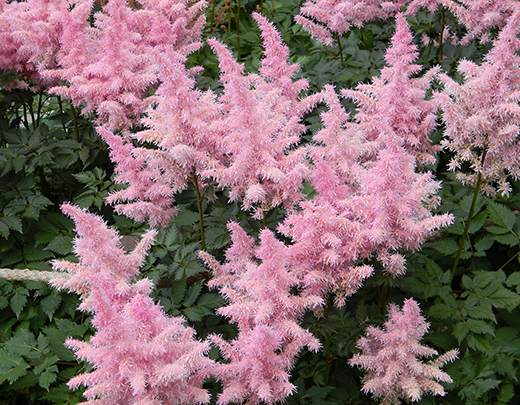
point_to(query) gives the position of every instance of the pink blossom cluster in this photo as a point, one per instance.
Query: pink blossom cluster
(370, 200)
(323, 18)
(140, 356)
(30, 37)
(392, 355)
(109, 67)
(261, 125)
(482, 115)
(257, 282)
(373, 198)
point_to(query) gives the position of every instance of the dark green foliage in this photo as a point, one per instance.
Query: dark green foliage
(469, 290)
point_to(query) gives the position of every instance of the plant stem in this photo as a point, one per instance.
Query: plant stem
(195, 182)
(338, 38)
(470, 217)
(75, 121)
(39, 111)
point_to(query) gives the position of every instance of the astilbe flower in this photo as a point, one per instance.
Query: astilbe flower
(322, 18)
(392, 356)
(30, 37)
(480, 16)
(110, 67)
(257, 284)
(139, 355)
(482, 115)
(370, 200)
(148, 195)
(180, 143)
(261, 123)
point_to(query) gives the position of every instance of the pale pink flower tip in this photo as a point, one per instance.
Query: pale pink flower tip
(391, 356)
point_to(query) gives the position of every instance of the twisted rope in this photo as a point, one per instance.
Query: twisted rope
(31, 275)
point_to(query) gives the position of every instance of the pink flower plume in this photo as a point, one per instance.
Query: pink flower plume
(392, 355)
(139, 354)
(257, 283)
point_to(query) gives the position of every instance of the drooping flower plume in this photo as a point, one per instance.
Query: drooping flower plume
(392, 357)
(139, 354)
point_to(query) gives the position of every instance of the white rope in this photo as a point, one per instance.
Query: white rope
(31, 275)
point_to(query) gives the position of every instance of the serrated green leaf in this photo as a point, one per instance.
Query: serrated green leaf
(446, 246)
(186, 217)
(443, 311)
(12, 222)
(195, 313)
(210, 301)
(178, 291)
(480, 327)
(507, 239)
(12, 366)
(50, 303)
(503, 298)
(480, 312)
(460, 330)
(61, 245)
(479, 343)
(507, 391)
(484, 243)
(513, 279)
(487, 383)
(4, 230)
(192, 293)
(497, 230)
(18, 301)
(477, 222)
(46, 379)
(171, 236)
(501, 215)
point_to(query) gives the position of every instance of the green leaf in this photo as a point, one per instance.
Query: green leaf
(477, 222)
(50, 303)
(193, 293)
(480, 312)
(46, 379)
(504, 298)
(501, 215)
(460, 330)
(18, 300)
(443, 311)
(12, 366)
(61, 245)
(446, 246)
(178, 291)
(487, 383)
(12, 222)
(508, 239)
(194, 314)
(171, 237)
(514, 280)
(186, 217)
(480, 327)
(484, 243)
(4, 230)
(479, 342)
(210, 301)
